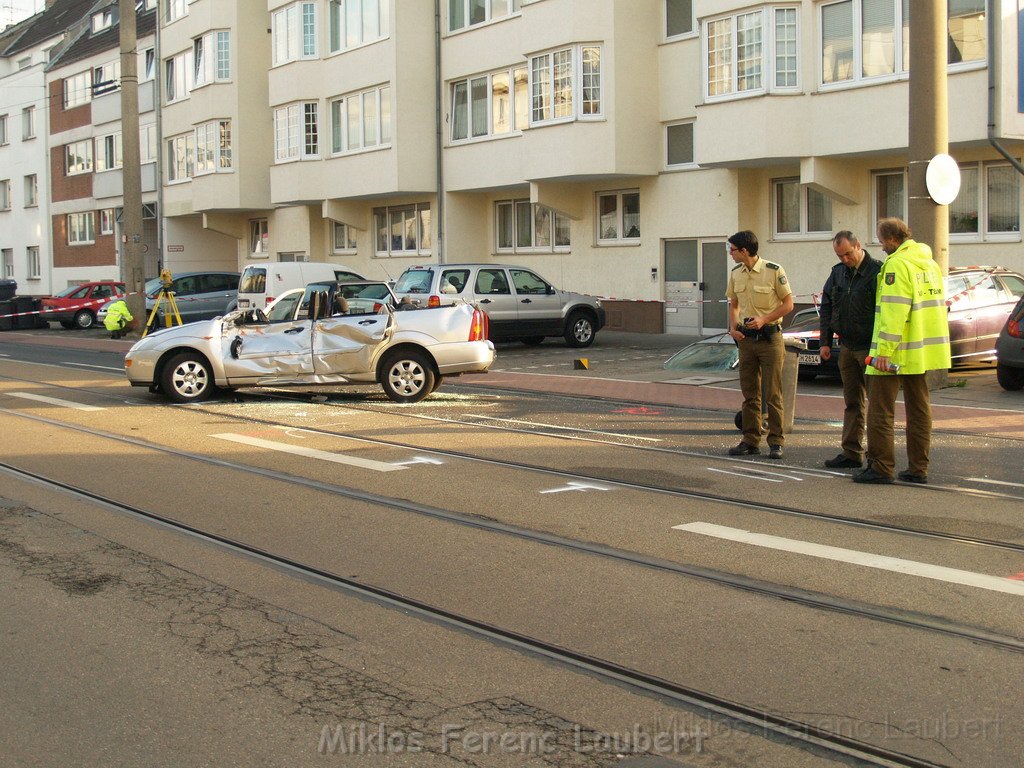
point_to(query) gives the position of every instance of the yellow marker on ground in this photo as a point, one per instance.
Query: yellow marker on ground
(581, 364)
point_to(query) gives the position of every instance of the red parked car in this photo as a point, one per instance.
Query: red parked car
(76, 307)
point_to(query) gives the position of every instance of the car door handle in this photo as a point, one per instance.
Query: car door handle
(300, 329)
(526, 301)
(367, 322)
(485, 301)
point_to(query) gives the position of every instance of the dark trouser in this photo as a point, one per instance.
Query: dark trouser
(882, 391)
(761, 366)
(855, 393)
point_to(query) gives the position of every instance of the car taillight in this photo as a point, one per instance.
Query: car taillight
(478, 328)
(434, 301)
(1013, 328)
(377, 307)
(269, 299)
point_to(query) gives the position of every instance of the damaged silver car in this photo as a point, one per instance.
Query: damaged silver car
(336, 333)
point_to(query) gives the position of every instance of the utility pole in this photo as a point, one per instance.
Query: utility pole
(132, 262)
(929, 124)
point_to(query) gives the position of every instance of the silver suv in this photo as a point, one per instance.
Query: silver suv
(519, 303)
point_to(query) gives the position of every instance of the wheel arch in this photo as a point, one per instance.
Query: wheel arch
(158, 369)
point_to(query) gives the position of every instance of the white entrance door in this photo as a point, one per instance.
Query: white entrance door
(696, 275)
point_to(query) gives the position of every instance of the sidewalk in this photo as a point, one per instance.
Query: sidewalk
(628, 367)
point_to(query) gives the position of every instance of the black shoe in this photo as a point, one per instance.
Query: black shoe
(842, 462)
(870, 476)
(909, 477)
(775, 452)
(744, 449)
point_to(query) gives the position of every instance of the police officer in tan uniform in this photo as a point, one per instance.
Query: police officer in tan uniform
(759, 297)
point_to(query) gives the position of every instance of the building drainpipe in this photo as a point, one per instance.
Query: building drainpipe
(993, 28)
(439, 111)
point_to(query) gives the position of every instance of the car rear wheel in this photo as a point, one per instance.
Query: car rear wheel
(67, 324)
(407, 377)
(84, 319)
(1010, 379)
(186, 378)
(579, 330)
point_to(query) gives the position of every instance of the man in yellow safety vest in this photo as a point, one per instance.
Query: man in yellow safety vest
(911, 337)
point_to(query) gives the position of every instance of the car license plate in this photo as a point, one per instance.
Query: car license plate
(243, 303)
(808, 359)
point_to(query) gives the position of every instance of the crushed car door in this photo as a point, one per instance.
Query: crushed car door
(263, 350)
(347, 344)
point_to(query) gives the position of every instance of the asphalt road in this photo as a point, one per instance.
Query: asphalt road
(887, 614)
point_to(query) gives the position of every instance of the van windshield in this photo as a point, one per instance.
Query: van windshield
(254, 280)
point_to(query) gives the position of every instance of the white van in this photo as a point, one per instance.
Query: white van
(262, 282)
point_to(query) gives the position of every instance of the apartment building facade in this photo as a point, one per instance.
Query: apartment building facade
(25, 51)
(85, 148)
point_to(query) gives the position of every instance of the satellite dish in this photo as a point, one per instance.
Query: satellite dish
(942, 179)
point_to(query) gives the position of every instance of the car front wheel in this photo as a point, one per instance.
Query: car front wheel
(407, 377)
(1010, 379)
(187, 378)
(84, 319)
(579, 330)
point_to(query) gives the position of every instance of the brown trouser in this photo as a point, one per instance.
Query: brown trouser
(882, 391)
(855, 393)
(761, 366)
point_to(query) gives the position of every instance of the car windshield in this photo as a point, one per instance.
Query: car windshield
(66, 292)
(284, 308)
(414, 281)
(719, 353)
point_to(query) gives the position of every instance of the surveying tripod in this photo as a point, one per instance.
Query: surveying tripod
(167, 295)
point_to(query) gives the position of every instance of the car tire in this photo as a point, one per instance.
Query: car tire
(66, 324)
(1010, 379)
(407, 376)
(187, 378)
(532, 341)
(579, 330)
(84, 319)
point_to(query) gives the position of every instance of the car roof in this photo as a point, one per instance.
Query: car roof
(993, 270)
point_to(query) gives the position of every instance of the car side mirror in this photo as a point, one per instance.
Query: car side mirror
(549, 290)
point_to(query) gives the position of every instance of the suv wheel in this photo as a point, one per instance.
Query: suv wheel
(579, 330)
(1010, 379)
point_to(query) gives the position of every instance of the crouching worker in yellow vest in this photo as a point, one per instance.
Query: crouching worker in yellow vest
(117, 319)
(911, 337)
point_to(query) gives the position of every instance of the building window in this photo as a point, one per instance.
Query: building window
(78, 158)
(211, 55)
(618, 217)
(357, 22)
(344, 238)
(28, 123)
(147, 65)
(490, 105)
(890, 198)
(967, 32)
(80, 229)
(32, 262)
(175, 9)
(555, 88)
(293, 256)
(469, 13)
(678, 17)
(31, 191)
(679, 141)
(403, 230)
(5, 194)
(296, 132)
(106, 78)
(77, 89)
(108, 152)
(213, 147)
(988, 205)
(293, 33)
(799, 211)
(178, 80)
(147, 144)
(106, 221)
(522, 227)
(751, 53)
(181, 157)
(361, 121)
(8, 254)
(3, 130)
(259, 237)
(102, 20)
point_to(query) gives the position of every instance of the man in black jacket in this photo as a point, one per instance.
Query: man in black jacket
(848, 309)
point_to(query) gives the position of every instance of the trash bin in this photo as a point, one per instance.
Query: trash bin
(24, 306)
(790, 369)
(6, 321)
(8, 288)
